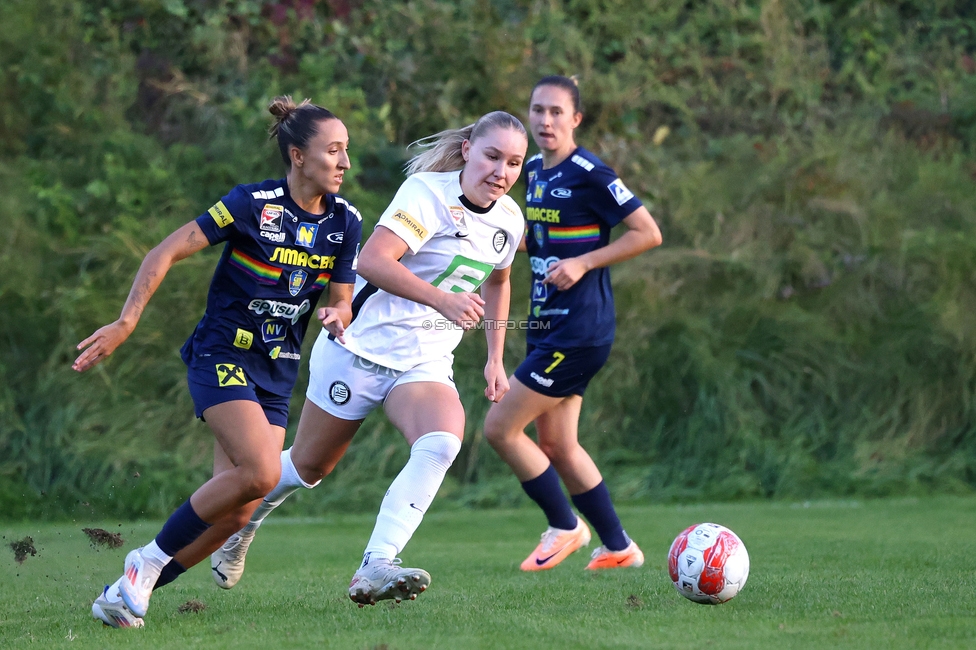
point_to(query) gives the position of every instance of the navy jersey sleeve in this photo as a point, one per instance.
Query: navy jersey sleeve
(344, 270)
(610, 198)
(224, 221)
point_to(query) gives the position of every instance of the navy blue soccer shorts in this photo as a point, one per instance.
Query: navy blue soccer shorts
(558, 372)
(226, 382)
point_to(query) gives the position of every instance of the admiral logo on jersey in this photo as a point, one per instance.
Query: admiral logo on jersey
(221, 215)
(271, 217)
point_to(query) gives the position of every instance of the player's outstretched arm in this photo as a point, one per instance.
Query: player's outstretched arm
(180, 244)
(642, 234)
(497, 292)
(379, 264)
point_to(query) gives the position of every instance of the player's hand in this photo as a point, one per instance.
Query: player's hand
(565, 273)
(331, 321)
(100, 345)
(497, 380)
(463, 309)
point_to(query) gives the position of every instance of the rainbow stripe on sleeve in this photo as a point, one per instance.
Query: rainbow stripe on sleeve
(322, 280)
(260, 271)
(574, 234)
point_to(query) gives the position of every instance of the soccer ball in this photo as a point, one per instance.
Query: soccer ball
(708, 563)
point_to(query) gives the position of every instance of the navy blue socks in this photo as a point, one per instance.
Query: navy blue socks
(546, 491)
(181, 529)
(596, 506)
(170, 572)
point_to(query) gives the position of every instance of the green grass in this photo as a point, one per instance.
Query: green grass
(852, 574)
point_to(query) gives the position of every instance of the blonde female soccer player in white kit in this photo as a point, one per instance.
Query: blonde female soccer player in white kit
(450, 230)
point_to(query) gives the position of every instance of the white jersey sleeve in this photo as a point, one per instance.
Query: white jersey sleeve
(514, 230)
(413, 214)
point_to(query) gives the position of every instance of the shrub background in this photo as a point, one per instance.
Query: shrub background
(807, 328)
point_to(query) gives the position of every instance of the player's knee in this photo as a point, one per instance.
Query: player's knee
(260, 480)
(440, 447)
(557, 452)
(496, 433)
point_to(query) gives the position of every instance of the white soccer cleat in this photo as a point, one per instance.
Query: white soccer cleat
(111, 610)
(137, 583)
(383, 579)
(227, 562)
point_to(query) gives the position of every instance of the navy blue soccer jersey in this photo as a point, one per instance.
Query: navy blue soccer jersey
(276, 263)
(569, 211)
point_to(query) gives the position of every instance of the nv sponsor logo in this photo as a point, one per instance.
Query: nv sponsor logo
(279, 309)
(292, 257)
(273, 329)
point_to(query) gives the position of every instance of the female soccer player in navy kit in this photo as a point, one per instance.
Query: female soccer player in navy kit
(286, 242)
(573, 200)
(450, 230)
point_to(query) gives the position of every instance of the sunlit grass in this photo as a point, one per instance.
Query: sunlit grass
(853, 574)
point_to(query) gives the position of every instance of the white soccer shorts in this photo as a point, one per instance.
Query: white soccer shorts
(350, 387)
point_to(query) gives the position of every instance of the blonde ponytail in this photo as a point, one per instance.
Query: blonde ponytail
(442, 151)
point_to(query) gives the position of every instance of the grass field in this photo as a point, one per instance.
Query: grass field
(839, 574)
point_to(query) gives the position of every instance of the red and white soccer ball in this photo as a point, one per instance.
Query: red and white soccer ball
(708, 563)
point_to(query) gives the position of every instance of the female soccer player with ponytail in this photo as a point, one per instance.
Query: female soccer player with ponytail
(573, 201)
(286, 242)
(450, 229)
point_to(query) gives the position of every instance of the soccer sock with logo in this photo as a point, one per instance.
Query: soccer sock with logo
(289, 482)
(412, 492)
(546, 491)
(596, 506)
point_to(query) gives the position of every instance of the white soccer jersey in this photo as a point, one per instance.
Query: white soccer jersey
(452, 244)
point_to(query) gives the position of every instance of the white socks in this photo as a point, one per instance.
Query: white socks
(411, 493)
(289, 482)
(153, 561)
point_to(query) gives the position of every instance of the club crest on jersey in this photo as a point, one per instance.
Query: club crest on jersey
(620, 192)
(499, 240)
(271, 217)
(273, 329)
(538, 191)
(296, 281)
(539, 232)
(305, 236)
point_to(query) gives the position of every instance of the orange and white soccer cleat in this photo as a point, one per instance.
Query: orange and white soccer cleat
(556, 545)
(604, 558)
